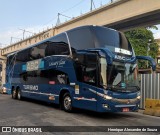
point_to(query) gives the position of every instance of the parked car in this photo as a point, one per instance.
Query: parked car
(3, 90)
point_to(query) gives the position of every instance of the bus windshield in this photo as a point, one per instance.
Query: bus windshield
(121, 77)
(111, 39)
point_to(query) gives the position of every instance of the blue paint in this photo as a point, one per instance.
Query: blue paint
(88, 97)
(41, 65)
(24, 67)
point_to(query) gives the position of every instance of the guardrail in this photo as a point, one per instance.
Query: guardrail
(152, 107)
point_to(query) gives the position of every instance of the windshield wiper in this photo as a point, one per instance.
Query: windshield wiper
(135, 87)
(104, 86)
(122, 89)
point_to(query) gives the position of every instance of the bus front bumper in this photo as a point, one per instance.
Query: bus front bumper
(122, 105)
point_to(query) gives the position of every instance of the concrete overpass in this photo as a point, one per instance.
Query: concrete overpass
(121, 15)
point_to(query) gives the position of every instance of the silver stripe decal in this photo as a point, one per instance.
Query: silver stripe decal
(70, 50)
(82, 98)
(113, 99)
(124, 105)
(49, 94)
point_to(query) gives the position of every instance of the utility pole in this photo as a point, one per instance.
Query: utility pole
(12, 39)
(92, 4)
(58, 19)
(25, 31)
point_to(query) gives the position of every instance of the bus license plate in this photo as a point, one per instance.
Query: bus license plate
(125, 110)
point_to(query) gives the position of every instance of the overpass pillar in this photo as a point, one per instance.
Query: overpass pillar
(3, 71)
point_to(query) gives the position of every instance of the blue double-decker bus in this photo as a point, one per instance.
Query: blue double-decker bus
(88, 67)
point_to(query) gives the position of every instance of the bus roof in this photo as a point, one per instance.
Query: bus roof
(48, 39)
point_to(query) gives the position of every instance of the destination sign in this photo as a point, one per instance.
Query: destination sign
(123, 51)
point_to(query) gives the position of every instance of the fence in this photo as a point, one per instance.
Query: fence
(150, 87)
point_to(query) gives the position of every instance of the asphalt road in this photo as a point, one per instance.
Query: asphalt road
(33, 113)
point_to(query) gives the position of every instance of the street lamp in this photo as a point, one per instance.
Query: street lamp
(148, 48)
(148, 44)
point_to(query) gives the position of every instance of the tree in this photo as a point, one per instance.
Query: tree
(143, 42)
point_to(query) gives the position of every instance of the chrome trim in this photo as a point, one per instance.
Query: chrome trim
(122, 101)
(125, 101)
(83, 98)
(92, 91)
(69, 44)
(124, 105)
(48, 94)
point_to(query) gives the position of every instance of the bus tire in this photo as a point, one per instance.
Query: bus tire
(67, 102)
(14, 94)
(19, 94)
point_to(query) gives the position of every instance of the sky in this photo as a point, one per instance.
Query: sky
(37, 15)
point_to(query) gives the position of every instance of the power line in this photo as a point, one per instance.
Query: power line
(12, 39)
(65, 16)
(72, 7)
(58, 19)
(25, 31)
(54, 18)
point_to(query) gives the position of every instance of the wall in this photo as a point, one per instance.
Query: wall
(150, 87)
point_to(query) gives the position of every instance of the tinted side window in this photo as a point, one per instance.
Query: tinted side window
(124, 43)
(23, 56)
(81, 38)
(44, 77)
(90, 69)
(38, 51)
(106, 37)
(58, 46)
(55, 76)
(57, 49)
(86, 69)
(60, 38)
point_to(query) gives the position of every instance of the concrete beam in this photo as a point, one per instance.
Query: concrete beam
(117, 13)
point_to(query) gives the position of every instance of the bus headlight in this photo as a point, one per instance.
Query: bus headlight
(104, 96)
(139, 97)
(107, 97)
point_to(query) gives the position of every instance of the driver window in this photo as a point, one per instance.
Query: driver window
(89, 71)
(86, 68)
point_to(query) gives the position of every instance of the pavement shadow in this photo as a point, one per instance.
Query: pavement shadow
(104, 115)
(46, 104)
(88, 113)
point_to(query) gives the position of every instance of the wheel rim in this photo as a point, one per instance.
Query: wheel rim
(67, 103)
(19, 95)
(14, 93)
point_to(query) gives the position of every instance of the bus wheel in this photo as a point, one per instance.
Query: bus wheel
(67, 102)
(14, 94)
(19, 96)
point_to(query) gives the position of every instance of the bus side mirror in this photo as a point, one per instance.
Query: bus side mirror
(151, 60)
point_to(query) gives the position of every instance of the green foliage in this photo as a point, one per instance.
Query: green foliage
(141, 39)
